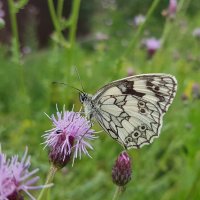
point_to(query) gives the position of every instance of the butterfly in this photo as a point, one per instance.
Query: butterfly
(131, 110)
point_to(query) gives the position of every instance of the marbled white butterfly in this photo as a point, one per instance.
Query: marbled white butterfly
(131, 110)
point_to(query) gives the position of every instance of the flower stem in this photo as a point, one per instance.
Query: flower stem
(56, 21)
(72, 29)
(60, 9)
(44, 192)
(141, 27)
(136, 37)
(118, 192)
(15, 35)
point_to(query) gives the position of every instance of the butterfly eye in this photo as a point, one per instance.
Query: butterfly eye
(82, 97)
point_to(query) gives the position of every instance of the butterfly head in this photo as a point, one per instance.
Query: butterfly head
(83, 97)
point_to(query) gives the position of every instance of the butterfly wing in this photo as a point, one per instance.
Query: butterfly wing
(131, 109)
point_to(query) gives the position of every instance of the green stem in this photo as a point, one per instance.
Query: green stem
(194, 187)
(136, 37)
(50, 176)
(141, 28)
(183, 5)
(21, 3)
(55, 21)
(168, 28)
(118, 192)
(15, 48)
(60, 9)
(168, 24)
(73, 28)
(15, 35)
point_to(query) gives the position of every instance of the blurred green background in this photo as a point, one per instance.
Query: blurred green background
(108, 46)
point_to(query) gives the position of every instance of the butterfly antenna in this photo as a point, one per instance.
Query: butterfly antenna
(61, 83)
(79, 78)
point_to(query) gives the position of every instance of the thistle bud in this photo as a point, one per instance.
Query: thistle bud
(121, 171)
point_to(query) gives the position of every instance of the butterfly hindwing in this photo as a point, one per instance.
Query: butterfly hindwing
(135, 123)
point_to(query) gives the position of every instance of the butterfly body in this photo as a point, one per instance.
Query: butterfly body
(131, 110)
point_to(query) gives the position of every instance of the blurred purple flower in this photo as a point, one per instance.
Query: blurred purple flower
(121, 172)
(171, 11)
(2, 14)
(139, 19)
(68, 137)
(130, 71)
(16, 179)
(172, 8)
(196, 33)
(152, 45)
(7, 186)
(196, 91)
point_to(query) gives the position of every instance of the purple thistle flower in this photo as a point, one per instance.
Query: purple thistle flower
(2, 15)
(121, 172)
(130, 71)
(6, 184)
(172, 8)
(16, 179)
(152, 45)
(68, 137)
(196, 91)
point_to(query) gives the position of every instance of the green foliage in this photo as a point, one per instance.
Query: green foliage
(167, 169)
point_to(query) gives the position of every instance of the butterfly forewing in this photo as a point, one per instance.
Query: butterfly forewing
(131, 109)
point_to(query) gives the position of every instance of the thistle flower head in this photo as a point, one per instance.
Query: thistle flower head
(196, 91)
(130, 71)
(69, 136)
(2, 15)
(16, 178)
(172, 8)
(152, 45)
(121, 172)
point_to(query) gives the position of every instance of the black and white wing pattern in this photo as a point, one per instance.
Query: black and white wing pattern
(131, 110)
